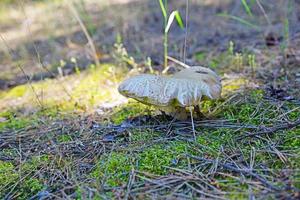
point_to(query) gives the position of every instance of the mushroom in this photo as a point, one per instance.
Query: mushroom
(173, 94)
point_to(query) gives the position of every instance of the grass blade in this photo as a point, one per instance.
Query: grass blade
(179, 19)
(247, 7)
(242, 21)
(174, 14)
(163, 9)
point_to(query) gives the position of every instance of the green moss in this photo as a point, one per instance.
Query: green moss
(234, 85)
(211, 141)
(76, 92)
(257, 94)
(91, 87)
(293, 111)
(16, 120)
(16, 92)
(252, 110)
(200, 56)
(29, 188)
(156, 158)
(13, 121)
(292, 139)
(64, 138)
(7, 176)
(113, 167)
(23, 186)
(235, 189)
(129, 110)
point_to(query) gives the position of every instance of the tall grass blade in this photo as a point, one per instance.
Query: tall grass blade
(163, 9)
(174, 15)
(242, 21)
(247, 7)
(179, 19)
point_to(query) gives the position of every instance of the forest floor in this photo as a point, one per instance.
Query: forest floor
(66, 132)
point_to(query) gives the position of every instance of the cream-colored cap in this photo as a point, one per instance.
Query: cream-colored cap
(185, 88)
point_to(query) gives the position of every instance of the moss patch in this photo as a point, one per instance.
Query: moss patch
(113, 169)
(130, 110)
(21, 180)
(13, 121)
(117, 166)
(80, 91)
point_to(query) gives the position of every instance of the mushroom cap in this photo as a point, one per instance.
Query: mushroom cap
(185, 88)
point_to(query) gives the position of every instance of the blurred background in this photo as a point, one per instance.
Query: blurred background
(47, 33)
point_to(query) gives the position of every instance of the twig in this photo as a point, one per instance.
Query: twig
(273, 129)
(130, 182)
(205, 193)
(247, 172)
(24, 73)
(264, 12)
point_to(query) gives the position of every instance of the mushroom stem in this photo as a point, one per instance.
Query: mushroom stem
(191, 108)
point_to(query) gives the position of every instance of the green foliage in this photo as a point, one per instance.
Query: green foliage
(232, 60)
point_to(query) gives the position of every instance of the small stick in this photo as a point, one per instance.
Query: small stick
(264, 12)
(178, 62)
(191, 108)
(271, 130)
(186, 30)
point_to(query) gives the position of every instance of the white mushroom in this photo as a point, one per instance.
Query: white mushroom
(174, 93)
